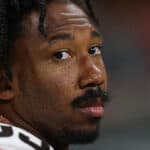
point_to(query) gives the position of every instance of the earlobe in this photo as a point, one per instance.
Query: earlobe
(6, 88)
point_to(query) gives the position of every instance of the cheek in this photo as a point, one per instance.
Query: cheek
(58, 80)
(58, 88)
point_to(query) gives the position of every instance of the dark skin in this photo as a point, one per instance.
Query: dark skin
(49, 73)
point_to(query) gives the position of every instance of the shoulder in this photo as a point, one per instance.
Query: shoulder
(14, 138)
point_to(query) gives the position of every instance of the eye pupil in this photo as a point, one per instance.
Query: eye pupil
(58, 55)
(92, 50)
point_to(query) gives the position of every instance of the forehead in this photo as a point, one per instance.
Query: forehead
(65, 16)
(59, 17)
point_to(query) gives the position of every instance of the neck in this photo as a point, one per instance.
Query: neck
(4, 120)
(61, 147)
(18, 122)
(58, 145)
(29, 128)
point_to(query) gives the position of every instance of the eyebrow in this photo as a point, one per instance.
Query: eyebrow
(95, 34)
(67, 36)
(61, 36)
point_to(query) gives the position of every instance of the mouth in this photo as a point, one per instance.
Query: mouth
(92, 109)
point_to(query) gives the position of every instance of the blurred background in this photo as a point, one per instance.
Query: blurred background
(125, 25)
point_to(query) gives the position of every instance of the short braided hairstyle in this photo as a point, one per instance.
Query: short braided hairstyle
(11, 13)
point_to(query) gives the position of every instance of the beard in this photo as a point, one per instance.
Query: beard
(80, 136)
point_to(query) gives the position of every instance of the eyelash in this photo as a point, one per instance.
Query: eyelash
(58, 54)
(95, 46)
(63, 51)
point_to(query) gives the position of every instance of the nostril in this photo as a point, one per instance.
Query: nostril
(91, 85)
(94, 84)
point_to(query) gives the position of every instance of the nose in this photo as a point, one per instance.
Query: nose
(91, 75)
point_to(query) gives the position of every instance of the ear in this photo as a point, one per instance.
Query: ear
(6, 87)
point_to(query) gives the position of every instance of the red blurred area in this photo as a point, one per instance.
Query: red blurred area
(143, 30)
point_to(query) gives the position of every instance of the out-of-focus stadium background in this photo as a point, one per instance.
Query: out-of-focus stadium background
(125, 25)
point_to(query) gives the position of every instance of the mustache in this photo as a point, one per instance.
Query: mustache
(90, 96)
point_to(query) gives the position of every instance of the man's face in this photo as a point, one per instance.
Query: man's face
(57, 74)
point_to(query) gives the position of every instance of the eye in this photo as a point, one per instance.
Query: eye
(62, 55)
(95, 50)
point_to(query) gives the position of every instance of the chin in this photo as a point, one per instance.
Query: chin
(84, 137)
(81, 135)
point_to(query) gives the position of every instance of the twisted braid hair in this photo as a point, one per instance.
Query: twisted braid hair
(3, 37)
(11, 13)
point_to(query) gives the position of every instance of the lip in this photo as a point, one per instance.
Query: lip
(93, 111)
(91, 103)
